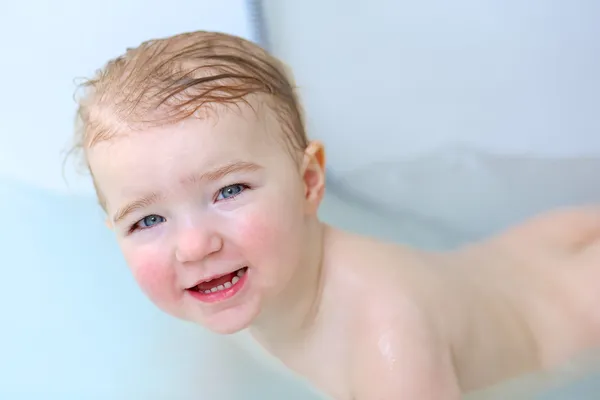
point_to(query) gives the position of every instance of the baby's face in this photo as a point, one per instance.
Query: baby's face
(210, 214)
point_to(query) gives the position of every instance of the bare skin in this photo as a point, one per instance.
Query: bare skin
(372, 335)
(359, 318)
(435, 326)
(439, 325)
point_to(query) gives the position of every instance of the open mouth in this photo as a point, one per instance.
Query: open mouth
(220, 283)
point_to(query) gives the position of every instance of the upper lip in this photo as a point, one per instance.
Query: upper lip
(210, 278)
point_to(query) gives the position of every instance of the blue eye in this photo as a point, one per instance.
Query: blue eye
(149, 221)
(229, 192)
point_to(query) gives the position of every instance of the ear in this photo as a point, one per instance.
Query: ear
(313, 175)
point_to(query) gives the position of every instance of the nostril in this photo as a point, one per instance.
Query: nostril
(216, 243)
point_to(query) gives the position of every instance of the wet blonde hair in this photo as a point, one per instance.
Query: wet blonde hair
(164, 81)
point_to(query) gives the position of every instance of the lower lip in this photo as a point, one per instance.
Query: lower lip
(220, 295)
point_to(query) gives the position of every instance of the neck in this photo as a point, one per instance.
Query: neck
(292, 313)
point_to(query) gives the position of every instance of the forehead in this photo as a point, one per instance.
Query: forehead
(128, 161)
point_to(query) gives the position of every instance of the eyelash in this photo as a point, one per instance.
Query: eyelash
(244, 187)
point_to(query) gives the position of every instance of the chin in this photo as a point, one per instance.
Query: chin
(227, 329)
(229, 321)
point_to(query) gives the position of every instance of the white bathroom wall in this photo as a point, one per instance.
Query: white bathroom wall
(470, 115)
(385, 78)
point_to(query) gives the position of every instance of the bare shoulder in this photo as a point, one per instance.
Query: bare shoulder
(400, 353)
(398, 348)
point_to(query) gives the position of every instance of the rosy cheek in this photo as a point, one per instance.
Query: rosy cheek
(267, 232)
(257, 230)
(155, 277)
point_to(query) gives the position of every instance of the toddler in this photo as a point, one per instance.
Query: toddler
(199, 156)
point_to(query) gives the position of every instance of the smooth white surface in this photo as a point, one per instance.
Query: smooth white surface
(470, 115)
(388, 78)
(471, 194)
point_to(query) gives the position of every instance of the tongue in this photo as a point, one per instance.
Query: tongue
(216, 282)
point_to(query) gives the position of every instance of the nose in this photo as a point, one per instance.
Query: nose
(196, 243)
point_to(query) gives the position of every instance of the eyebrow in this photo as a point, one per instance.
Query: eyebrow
(135, 205)
(221, 172)
(192, 179)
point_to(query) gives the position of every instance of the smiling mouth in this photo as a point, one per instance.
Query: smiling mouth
(221, 283)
